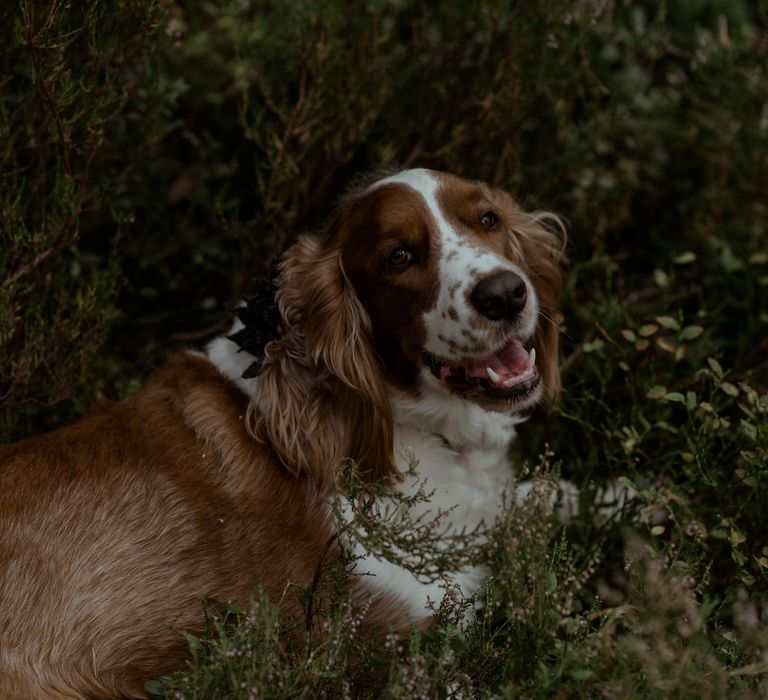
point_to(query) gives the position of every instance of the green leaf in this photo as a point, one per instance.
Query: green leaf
(156, 687)
(551, 581)
(668, 322)
(684, 258)
(595, 345)
(235, 609)
(736, 537)
(629, 335)
(748, 429)
(647, 329)
(729, 389)
(715, 366)
(194, 644)
(729, 261)
(581, 674)
(661, 278)
(656, 392)
(691, 332)
(675, 396)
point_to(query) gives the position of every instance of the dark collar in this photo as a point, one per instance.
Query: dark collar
(262, 321)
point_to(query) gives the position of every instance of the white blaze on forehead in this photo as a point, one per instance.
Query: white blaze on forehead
(426, 184)
(449, 334)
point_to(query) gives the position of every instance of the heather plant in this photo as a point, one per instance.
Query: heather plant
(402, 528)
(155, 155)
(66, 107)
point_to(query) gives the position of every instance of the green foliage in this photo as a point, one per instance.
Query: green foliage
(72, 84)
(155, 155)
(651, 632)
(249, 656)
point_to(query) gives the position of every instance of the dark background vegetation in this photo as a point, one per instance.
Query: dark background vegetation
(155, 155)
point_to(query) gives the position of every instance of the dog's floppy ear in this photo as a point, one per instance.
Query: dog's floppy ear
(321, 397)
(538, 240)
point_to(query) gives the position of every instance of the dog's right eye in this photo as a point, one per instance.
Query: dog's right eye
(489, 220)
(399, 258)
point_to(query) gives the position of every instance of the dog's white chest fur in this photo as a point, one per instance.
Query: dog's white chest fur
(461, 458)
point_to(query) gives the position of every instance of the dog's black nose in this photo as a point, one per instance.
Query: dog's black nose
(500, 296)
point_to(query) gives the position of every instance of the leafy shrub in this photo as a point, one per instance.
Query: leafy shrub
(76, 81)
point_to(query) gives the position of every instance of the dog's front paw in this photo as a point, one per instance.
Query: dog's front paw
(612, 497)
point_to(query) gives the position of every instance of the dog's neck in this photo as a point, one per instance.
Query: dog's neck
(463, 425)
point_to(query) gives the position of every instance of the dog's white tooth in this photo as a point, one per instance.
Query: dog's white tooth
(532, 357)
(493, 376)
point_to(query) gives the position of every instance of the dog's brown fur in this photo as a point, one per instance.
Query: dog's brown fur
(198, 505)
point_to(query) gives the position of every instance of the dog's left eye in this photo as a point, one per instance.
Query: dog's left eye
(399, 258)
(489, 220)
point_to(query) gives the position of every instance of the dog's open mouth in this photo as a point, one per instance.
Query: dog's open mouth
(508, 374)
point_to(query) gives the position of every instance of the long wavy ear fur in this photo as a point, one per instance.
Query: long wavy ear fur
(538, 240)
(321, 395)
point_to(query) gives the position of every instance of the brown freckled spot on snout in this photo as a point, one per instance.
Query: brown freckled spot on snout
(473, 271)
(452, 313)
(452, 344)
(452, 254)
(453, 289)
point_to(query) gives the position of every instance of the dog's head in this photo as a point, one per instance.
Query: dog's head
(422, 281)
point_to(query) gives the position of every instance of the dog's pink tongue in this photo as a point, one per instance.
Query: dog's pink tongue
(511, 360)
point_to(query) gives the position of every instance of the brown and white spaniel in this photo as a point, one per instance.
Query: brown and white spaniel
(419, 325)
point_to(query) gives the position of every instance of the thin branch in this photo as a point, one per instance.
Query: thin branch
(38, 260)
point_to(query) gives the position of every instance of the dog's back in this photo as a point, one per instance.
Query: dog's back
(159, 482)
